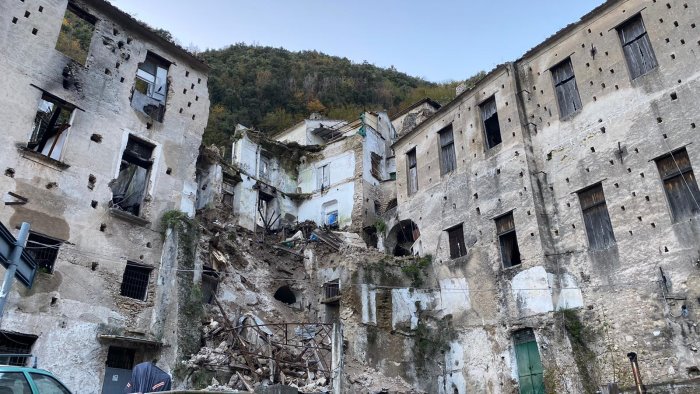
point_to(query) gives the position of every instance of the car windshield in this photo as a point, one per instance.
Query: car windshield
(14, 383)
(48, 385)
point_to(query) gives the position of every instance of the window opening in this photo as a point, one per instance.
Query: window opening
(527, 355)
(323, 174)
(227, 194)
(331, 291)
(637, 47)
(129, 188)
(680, 184)
(505, 228)
(120, 357)
(264, 170)
(76, 34)
(455, 236)
(376, 165)
(135, 281)
(596, 218)
(412, 164)
(286, 295)
(210, 283)
(16, 344)
(492, 129)
(44, 250)
(151, 87)
(448, 162)
(52, 120)
(566, 89)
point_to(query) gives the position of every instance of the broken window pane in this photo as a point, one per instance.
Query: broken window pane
(595, 216)
(135, 281)
(76, 34)
(505, 229)
(44, 250)
(492, 129)
(448, 162)
(412, 171)
(376, 165)
(151, 87)
(637, 47)
(51, 124)
(566, 89)
(680, 184)
(129, 188)
(455, 236)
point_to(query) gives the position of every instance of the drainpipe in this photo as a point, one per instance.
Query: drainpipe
(635, 371)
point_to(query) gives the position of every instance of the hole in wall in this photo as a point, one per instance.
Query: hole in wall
(94, 265)
(96, 138)
(286, 295)
(103, 227)
(35, 31)
(93, 204)
(10, 172)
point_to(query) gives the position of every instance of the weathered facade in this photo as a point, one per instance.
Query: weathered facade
(102, 123)
(558, 203)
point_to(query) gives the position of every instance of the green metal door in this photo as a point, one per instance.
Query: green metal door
(529, 363)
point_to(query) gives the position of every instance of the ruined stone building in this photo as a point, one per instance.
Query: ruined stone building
(102, 120)
(558, 203)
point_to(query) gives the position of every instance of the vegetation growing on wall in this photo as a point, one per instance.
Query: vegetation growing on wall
(415, 269)
(579, 337)
(431, 340)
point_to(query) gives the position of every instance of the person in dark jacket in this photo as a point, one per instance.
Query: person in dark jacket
(147, 378)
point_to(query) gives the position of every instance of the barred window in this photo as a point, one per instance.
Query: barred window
(44, 250)
(135, 281)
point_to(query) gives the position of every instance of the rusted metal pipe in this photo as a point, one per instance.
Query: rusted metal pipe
(635, 371)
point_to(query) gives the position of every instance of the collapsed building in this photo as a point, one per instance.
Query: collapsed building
(528, 236)
(102, 121)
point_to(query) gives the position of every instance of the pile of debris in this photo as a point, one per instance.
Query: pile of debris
(255, 353)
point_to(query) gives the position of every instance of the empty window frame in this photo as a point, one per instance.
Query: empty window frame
(210, 283)
(596, 218)
(51, 123)
(227, 193)
(508, 241)
(129, 189)
(455, 235)
(566, 89)
(637, 47)
(448, 161)
(492, 129)
(16, 344)
(264, 170)
(120, 357)
(135, 281)
(76, 34)
(44, 250)
(412, 172)
(323, 177)
(680, 184)
(151, 87)
(376, 169)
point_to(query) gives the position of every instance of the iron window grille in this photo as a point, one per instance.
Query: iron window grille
(44, 250)
(135, 281)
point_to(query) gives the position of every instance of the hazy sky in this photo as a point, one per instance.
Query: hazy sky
(438, 40)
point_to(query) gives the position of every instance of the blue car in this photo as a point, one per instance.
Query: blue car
(25, 380)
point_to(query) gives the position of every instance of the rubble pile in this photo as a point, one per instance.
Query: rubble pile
(254, 353)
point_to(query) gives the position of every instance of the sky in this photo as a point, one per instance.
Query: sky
(437, 40)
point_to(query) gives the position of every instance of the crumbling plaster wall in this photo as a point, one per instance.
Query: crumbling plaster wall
(537, 170)
(59, 200)
(624, 124)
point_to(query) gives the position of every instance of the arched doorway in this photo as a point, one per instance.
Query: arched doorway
(401, 238)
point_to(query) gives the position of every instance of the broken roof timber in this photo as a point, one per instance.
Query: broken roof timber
(128, 21)
(426, 100)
